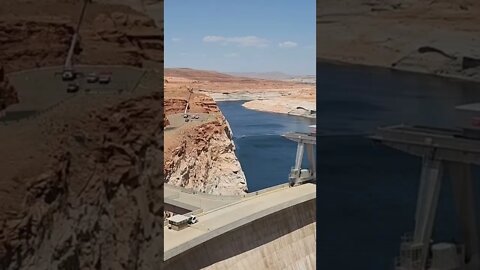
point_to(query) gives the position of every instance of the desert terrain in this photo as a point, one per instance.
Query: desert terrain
(81, 179)
(261, 94)
(439, 37)
(37, 34)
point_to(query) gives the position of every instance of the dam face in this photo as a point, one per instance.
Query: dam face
(282, 240)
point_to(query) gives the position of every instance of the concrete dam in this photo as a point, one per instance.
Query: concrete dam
(273, 229)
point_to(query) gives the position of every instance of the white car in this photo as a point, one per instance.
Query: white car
(92, 78)
(193, 219)
(104, 78)
(72, 88)
(68, 75)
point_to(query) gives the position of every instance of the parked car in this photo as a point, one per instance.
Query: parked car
(68, 75)
(104, 78)
(72, 88)
(192, 220)
(92, 78)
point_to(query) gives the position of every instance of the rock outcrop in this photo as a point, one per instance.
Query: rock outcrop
(201, 154)
(205, 161)
(99, 205)
(8, 94)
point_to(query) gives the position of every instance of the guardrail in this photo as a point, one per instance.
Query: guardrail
(226, 197)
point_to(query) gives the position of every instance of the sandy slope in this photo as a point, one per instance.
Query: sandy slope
(422, 36)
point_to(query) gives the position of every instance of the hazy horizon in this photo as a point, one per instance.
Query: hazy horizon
(252, 72)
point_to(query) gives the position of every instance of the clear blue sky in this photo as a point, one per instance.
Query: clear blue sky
(241, 36)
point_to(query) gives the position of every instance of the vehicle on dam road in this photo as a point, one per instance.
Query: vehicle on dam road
(192, 220)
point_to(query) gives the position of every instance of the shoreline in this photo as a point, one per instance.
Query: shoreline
(313, 116)
(441, 42)
(446, 76)
(270, 105)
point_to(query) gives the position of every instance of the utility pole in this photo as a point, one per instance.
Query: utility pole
(190, 90)
(68, 73)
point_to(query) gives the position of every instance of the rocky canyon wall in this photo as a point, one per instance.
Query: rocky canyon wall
(8, 95)
(202, 156)
(99, 204)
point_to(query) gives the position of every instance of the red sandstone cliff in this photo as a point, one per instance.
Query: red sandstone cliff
(201, 154)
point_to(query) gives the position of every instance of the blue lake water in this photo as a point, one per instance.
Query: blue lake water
(266, 157)
(366, 193)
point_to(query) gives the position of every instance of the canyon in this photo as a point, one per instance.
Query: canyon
(200, 153)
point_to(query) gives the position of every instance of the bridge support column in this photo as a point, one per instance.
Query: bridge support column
(427, 201)
(311, 159)
(303, 141)
(463, 193)
(299, 157)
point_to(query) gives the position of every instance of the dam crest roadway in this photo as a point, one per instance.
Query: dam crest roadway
(222, 217)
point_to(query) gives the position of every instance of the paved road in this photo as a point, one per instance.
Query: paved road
(42, 89)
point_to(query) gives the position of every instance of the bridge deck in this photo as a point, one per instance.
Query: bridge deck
(449, 145)
(301, 137)
(234, 215)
